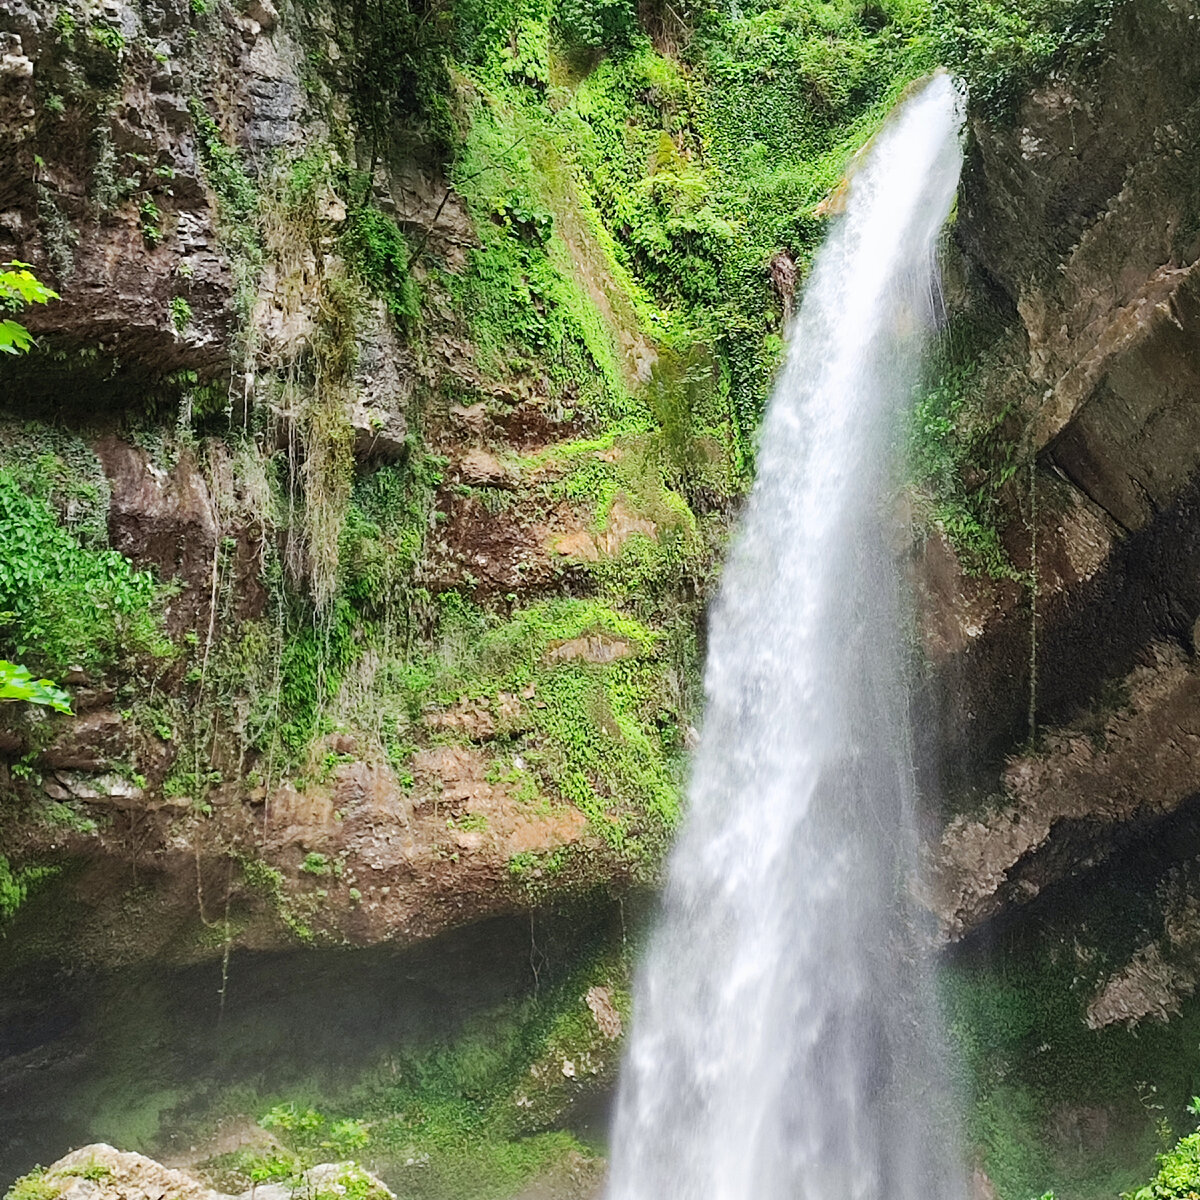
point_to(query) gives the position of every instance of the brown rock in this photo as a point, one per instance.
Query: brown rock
(594, 648)
(264, 12)
(1136, 765)
(483, 469)
(88, 742)
(162, 518)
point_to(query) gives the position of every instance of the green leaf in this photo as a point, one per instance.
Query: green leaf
(16, 683)
(21, 285)
(14, 338)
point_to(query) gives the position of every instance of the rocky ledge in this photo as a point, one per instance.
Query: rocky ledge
(99, 1172)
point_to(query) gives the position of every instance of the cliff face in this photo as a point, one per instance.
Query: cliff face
(1078, 222)
(410, 368)
(365, 490)
(384, 688)
(410, 361)
(1059, 600)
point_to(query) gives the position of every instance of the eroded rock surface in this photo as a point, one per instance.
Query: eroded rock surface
(100, 1172)
(1065, 808)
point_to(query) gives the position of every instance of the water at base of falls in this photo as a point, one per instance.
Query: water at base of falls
(785, 1043)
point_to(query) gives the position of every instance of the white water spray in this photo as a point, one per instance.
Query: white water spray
(785, 1045)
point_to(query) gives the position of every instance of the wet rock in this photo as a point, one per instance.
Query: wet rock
(470, 717)
(1066, 808)
(1148, 986)
(600, 1003)
(1077, 217)
(162, 518)
(89, 742)
(783, 279)
(109, 788)
(432, 212)
(622, 524)
(1161, 974)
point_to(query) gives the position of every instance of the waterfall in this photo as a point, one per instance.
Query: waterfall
(785, 1041)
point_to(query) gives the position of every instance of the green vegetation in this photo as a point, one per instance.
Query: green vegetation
(584, 728)
(294, 910)
(18, 288)
(965, 442)
(679, 177)
(1051, 1102)
(15, 885)
(34, 1186)
(464, 1120)
(16, 683)
(1178, 1176)
(91, 1170)
(63, 604)
(181, 313)
(377, 251)
(1001, 48)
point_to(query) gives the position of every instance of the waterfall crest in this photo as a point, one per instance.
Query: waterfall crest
(785, 1042)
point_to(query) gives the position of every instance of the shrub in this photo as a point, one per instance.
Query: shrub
(1178, 1175)
(1002, 47)
(376, 251)
(63, 605)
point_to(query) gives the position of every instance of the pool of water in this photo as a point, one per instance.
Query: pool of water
(148, 1058)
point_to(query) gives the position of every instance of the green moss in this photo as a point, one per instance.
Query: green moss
(34, 1186)
(92, 1170)
(965, 442)
(376, 249)
(587, 729)
(467, 1120)
(311, 665)
(1035, 1075)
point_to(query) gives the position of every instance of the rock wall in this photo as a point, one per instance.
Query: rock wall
(308, 465)
(1078, 220)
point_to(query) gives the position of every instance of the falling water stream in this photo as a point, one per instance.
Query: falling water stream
(786, 1043)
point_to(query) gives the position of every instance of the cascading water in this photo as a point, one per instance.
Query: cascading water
(785, 1042)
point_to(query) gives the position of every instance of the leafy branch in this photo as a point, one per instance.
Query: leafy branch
(18, 288)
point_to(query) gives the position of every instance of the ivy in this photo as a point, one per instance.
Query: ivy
(378, 253)
(596, 24)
